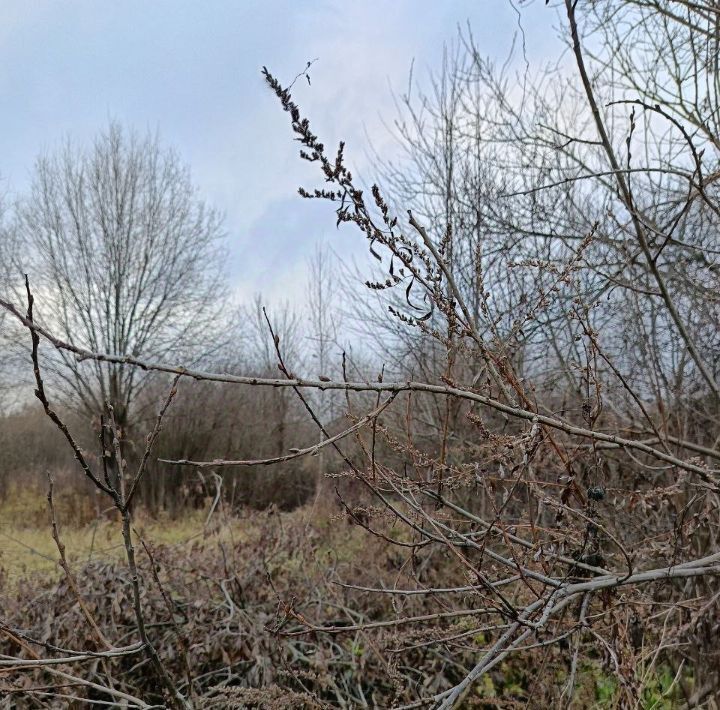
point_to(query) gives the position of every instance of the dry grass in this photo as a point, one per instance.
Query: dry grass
(27, 548)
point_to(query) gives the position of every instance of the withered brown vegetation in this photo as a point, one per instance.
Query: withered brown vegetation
(514, 501)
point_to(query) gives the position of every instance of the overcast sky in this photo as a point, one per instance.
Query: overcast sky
(191, 70)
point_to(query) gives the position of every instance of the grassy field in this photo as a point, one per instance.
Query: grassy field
(28, 549)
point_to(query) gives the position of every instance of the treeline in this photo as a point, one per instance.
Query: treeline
(207, 421)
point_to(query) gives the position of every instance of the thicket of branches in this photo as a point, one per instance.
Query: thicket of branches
(533, 465)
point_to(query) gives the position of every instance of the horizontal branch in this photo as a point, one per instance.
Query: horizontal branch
(13, 663)
(390, 387)
(312, 628)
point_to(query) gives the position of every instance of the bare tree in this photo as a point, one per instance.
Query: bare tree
(323, 316)
(277, 407)
(8, 251)
(561, 233)
(126, 256)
